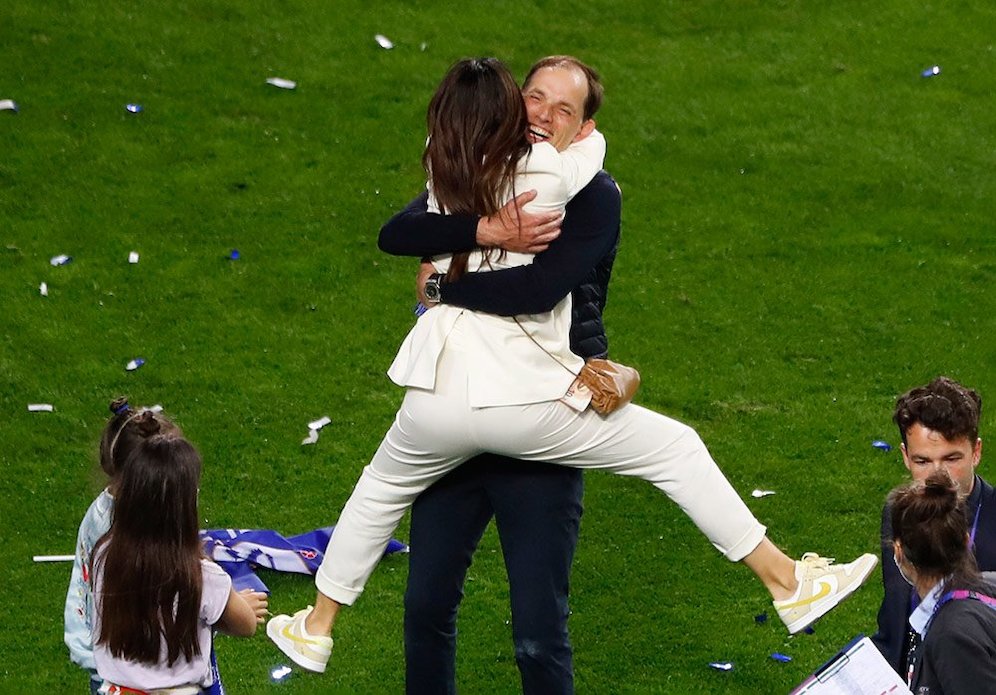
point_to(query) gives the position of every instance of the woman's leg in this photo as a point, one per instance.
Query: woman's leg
(638, 442)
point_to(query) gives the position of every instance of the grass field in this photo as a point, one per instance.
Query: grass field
(807, 232)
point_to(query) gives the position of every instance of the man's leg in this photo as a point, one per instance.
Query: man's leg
(538, 515)
(447, 522)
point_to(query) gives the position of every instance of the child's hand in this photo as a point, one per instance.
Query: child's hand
(258, 602)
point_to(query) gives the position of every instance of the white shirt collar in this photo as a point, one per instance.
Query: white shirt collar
(922, 614)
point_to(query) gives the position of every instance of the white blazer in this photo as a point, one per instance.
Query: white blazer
(505, 366)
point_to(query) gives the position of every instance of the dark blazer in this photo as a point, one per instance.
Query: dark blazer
(892, 638)
(958, 656)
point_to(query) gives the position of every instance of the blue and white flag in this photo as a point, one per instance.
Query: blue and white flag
(240, 551)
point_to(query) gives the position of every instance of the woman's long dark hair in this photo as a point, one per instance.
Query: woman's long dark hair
(150, 563)
(477, 135)
(929, 520)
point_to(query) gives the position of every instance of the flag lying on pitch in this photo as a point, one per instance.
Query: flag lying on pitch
(240, 551)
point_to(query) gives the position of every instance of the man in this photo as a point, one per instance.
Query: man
(939, 427)
(537, 507)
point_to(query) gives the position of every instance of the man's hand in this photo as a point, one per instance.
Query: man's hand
(424, 271)
(513, 229)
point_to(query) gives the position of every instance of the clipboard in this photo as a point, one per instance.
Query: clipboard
(857, 669)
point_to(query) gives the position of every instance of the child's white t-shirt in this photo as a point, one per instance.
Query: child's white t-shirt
(215, 591)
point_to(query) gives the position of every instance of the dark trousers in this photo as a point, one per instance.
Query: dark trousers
(537, 510)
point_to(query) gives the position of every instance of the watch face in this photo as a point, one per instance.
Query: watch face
(432, 290)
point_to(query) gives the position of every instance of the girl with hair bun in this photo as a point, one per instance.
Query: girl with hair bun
(956, 618)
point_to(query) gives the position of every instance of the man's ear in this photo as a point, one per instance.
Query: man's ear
(585, 131)
(906, 458)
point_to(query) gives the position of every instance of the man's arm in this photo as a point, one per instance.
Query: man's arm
(417, 232)
(591, 230)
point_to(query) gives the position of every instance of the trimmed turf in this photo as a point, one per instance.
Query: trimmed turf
(808, 231)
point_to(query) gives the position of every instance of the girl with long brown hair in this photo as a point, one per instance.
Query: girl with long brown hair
(156, 597)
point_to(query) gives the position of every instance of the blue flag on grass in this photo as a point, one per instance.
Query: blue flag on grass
(240, 551)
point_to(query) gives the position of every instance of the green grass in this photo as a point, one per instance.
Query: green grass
(807, 232)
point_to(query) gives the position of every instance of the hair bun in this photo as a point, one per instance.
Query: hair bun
(940, 489)
(148, 424)
(119, 405)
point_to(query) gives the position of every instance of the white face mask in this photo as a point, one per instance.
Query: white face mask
(895, 558)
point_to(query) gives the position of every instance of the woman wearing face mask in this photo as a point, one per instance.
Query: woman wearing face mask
(956, 618)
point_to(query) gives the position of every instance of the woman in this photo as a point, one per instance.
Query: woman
(478, 382)
(956, 616)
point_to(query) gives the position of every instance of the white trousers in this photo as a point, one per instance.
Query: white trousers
(435, 431)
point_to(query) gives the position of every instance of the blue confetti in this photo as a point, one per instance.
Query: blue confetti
(809, 629)
(135, 364)
(761, 619)
(133, 108)
(931, 71)
(884, 446)
(234, 255)
(721, 665)
(784, 658)
(280, 673)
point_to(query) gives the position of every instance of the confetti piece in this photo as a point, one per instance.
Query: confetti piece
(133, 108)
(61, 259)
(721, 665)
(53, 558)
(234, 255)
(884, 446)
(134, 364)
(384, 42)
(762, 493)
(809, 629)
(40, 407)
(133, 257)
(280, 673)
(155, 409)
(43, 289)
(281, 82)
(319, 423)
(761, 619)
(8, 105)
(931, 71)
(311, 438)
(784, 658)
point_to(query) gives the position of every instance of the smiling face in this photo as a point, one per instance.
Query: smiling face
(555, 98)
(926, 450)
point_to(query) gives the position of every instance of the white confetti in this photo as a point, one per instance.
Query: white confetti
(133, 257)
(53, 558)
(383, 41)
(40, 407)
(281, 82)
(319, 423)
(311, 438)
(134, 364)
(61, 259)
(8, 105)
(762, 493)
(43, 289)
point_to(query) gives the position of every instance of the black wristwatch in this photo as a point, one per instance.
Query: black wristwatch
(431, 289)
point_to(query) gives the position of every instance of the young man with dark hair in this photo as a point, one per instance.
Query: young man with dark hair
(939, 427)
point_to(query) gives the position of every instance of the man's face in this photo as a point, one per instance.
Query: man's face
(926, 450)
(555, 99)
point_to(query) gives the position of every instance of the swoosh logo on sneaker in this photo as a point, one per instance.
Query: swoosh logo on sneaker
(824, 590)
(286, 632)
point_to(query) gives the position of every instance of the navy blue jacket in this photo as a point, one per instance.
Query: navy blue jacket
(893, 636)
(579, 262)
